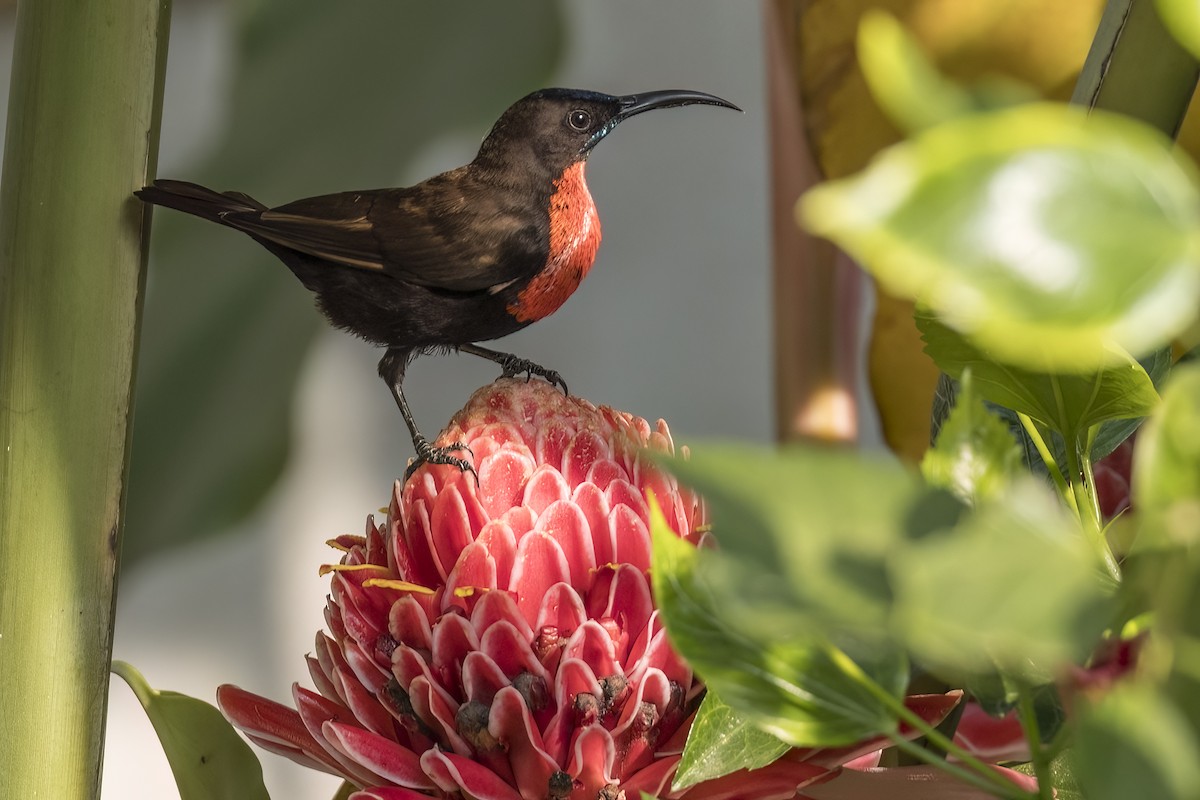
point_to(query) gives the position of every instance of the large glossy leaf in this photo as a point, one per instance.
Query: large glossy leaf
(1012, 586)
(810, 528)
(1052, 238)
(975, 455)
(323, 97)
(791, 683)
(1067, 403)
(1135, 743)
(209, 759)
(722, 741)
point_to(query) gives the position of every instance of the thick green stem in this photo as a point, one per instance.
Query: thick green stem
(82, 131)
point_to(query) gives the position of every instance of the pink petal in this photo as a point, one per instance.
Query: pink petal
(605, 471)
(989, 738)
(505, 645)
(271, 722)
(498, 537)
(482, 678)
(566, 524)
(545, 486)
(552, 440)
(777, 781)
(583, 451)
(453, 639)
(475, 569)
(388, 793)
(496, 607)
(907, 783)
(454, 774)
(592, 645)
(592, 761)
(409, 624)
(383, 756)
(449, 518)
(590, 500)
(541, 563)
(513, 726)
(623, 596)
(654, 779)
(631, 535)
(561, 611)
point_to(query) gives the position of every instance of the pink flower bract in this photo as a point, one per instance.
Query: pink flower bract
(499, 641)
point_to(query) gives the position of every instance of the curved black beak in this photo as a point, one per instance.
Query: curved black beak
(632, 104)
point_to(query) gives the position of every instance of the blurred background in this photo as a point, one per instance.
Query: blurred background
(261, 433)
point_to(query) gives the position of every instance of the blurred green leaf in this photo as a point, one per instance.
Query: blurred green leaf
(1052, 238)
(1062, 772)
(975, 455)
(1166, 466)
(789, 683)
(906, 85)
(809, 528)
(1182, 18)
(1134, 743)
(902, 80)
(209, 759)
(324, 97)
(1013, 586)
(1069, 404)
(722, 741)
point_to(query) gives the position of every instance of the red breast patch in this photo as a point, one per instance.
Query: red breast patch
(574, 238)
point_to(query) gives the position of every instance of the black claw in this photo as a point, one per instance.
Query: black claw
(513, 366)
(428, 454)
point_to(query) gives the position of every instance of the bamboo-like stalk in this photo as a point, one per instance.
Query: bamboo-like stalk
(82, 135)
(1135, 67)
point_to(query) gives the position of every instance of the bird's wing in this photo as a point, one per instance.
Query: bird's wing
(429, 238)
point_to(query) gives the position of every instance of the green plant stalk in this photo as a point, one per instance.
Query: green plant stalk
(1035, 436)
(1135, 67)
(1009, 791)
(979, 774)
(1041, 766)
(1087, 506)
(82, 134)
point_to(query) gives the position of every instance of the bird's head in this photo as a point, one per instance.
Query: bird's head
(558, 127)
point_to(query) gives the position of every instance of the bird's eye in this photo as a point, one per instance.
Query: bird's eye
(579, 120)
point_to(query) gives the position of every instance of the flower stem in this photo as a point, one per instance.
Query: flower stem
(1048, 459)
(981, 774)
(1041, 765)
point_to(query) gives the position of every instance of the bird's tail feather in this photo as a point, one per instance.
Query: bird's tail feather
(194, 199)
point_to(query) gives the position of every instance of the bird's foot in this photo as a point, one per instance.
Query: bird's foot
(513, 366)
(428, 454)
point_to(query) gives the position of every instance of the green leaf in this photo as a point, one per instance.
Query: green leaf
(810, 529)
(1068, 403)
(208, 758)
(790, 683)
(1182, 18)
(1054, 239)
(722, 741)
(902, 80)
(1134, 743)
(1062, 774)
(1013, 586)
(975, 455)
(1166, 466)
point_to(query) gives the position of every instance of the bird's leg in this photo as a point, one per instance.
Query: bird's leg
(515, 365)
(391, 368)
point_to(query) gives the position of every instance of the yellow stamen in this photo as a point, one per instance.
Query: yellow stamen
(400, 586)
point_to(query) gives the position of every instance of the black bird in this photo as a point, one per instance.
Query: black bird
(472, 254)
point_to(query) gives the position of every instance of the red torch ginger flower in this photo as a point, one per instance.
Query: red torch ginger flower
(499, 640)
